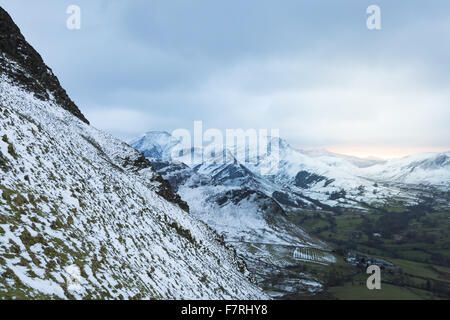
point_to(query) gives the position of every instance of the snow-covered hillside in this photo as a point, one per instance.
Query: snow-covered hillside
(423, 168)
(74, 196)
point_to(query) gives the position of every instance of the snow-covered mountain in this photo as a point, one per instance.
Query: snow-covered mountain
(324, 154)
(75, 198)
(423, 168)
(248, 209)
(240, 202)
(304, 179)
(253, 210)
(157, 144)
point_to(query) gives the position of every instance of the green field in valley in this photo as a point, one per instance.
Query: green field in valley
(414, 239)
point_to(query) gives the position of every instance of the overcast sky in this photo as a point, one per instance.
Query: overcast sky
(310, 68)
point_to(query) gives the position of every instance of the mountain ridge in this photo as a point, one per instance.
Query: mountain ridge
(322, 177)
(31, 73)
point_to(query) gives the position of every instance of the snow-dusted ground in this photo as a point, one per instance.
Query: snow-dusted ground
(69, 196)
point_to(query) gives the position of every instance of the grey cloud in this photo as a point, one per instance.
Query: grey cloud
(310, 68)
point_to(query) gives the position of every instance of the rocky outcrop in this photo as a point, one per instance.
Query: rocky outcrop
(30, 72)
(165, 189)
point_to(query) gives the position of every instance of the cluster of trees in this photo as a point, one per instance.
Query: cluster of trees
(335, 277)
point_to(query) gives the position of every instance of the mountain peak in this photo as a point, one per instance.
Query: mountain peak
(25, 67)
(158, 133)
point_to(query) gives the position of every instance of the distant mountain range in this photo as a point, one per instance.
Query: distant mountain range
(252, 209)
(313, 179)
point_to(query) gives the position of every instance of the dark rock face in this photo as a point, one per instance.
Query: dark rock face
(305, 179)
(286, 200)
(231, 173)
(165, 190)
(32, 73)
(265, 202)
(176, 173)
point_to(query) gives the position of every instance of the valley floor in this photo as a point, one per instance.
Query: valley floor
(410, 244)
